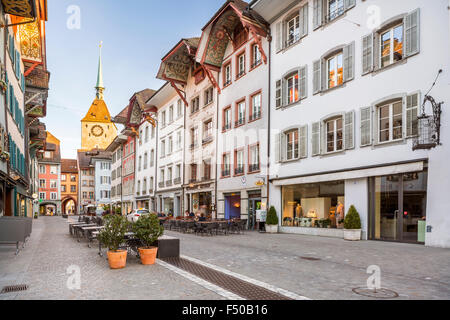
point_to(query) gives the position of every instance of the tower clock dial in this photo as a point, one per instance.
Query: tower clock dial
(97, 130)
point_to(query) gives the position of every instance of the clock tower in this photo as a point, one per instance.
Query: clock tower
(97, 129)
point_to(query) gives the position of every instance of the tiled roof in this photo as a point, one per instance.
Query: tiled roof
(69, 166)
(98, 112)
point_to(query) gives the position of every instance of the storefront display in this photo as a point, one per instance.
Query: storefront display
(319, 205)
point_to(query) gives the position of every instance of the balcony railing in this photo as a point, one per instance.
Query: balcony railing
(207, 139)
(192, 180)
(255, 115)
(226, 173)
(193, 145)
(253, 167)
(206, 178)
(168, 183)
(177, 181)
(239, 170)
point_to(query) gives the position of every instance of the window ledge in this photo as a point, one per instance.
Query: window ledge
(393, 65)
(292, 45)
(289, 161)
(332, 153)
(255, 67)
(390, 142)
(241, 76)
(253, 172)
(208, 104)
(227, 85)
(290, 105)
(239, 125)
(323, 92)
(253, 120)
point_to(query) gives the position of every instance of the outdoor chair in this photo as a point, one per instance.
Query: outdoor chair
(190, 225)
(212, 227)
(199, 228)
(223, 227)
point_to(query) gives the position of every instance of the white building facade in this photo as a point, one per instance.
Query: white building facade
(345, 97)
(102, 167)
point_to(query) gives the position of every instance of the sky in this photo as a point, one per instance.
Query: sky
(136, 34)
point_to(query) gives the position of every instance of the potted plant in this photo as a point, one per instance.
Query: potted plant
(272, 221)
(112, 235)
(308, 222)
(36, 215)
(352, 225)
(148, 229)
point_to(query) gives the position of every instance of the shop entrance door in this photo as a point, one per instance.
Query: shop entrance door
(253, 205)
(398, 204)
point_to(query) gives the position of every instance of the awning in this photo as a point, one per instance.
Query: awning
(353, 174)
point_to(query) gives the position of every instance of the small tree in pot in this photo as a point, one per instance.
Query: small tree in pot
(352, 225)
(148, 229)
(272, 221)
(112, 236)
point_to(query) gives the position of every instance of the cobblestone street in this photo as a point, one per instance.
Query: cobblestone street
(413, 271)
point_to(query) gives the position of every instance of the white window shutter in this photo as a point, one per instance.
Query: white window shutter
(283, 92)
(278, 94)
(316, 76)
(412, 110)
(367, 54)
(349, 130)
(376, 51)
(349, 61)
(323, 75)
(315, 139)
(303, 19)
(283, 147)
(317, 14)
(303, 82)
(349, 4)
(375, 125)
(411, 25)
(303, 138)
(277, 146)
(279, 35)
(365, 126)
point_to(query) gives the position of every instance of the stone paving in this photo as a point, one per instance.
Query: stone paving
(51, 250)
(413, 271)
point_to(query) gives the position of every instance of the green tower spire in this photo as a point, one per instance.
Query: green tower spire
(99, 87)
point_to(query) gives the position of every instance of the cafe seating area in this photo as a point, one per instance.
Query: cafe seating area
(206, 228)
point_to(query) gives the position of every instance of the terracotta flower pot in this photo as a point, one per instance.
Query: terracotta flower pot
(117, 259)
(148, 255)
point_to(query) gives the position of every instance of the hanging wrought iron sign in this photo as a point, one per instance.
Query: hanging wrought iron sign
(429, 126)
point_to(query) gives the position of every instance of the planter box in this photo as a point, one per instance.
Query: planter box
(321, 232)
(271, 228)
(352, 234)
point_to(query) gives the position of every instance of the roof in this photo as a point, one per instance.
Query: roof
(141, 97)
(116, 143)
(69, 166)
(51, 144)
(98, 112)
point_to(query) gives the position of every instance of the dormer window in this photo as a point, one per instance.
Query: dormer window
(240, 36)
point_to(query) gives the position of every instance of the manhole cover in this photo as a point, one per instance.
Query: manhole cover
(15, 288)
(378, 294)
(310, 258)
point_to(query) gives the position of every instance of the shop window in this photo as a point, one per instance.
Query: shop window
(319, 205)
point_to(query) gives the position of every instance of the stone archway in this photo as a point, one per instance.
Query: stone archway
(48, 209)
(69, 206)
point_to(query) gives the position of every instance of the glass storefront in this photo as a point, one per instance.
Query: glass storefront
(398, 207)
(316, 205)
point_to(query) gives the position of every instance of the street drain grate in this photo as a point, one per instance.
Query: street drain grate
(378, 294)
(310, 258)
(15, 288)
(237, 286)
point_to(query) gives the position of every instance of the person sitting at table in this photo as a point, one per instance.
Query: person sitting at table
(202, 217)
(186, 214)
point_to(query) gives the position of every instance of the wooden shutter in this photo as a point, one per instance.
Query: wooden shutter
(349, 61)
(376, 51)
(277, 146)
(303, 82)
(316, 76)
(411, 25)
(365, 122)
(349, 130)
(317, 14)
(283, 92)
(315, 139)
(349, 4)
(279, 35)
(375, 125)
(367, 54)
(303, 139)
(303, 20)
(412, 110)
(278, 94)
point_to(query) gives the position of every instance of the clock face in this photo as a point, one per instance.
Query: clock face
(97, 130)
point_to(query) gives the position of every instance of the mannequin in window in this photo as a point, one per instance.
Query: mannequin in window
(340, 215)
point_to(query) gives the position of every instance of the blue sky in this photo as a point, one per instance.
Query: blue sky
(136, 34)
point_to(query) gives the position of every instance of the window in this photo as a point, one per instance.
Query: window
(63, 188)
(325, 11)
(195, 105)
(256, 56)
(140, 163)
(293, 30)
(153, 132)
(73, 178)
(163, 149)
(163, 119)
(170, 114)
(209, 96)
(146, 134)
(335, 71)
(145, 160)
(193, 172)
(91, 195)
(255, 110)
(63, 177)
(73, 189)
(53, 184)
(170, 141)
(42, 169)
(84, 195)
(138, 187)
(194, 137)
(105, 166)
(292, 145)
(151, 183)
(169, 174)
(152, 158)
(240, 65)
(179, 140)
(207, 131)
(278, 94)
(140, 137)
(53, 170)
(390, 122)
(178, 171)
(226, 165)
(41, 183)
(162, 175)
(42, 195)
(48, 154)
(179, 108)
(335, 9)
(85, 183)
(253, 156)
(91, 183)
(240, 113)
(53, 195)
(206, 170)
(144, 186)
(292, 89)
(226, 119)
(334, 135)
(105, 180)
(238, 162)
(391, 46)
(227, 75)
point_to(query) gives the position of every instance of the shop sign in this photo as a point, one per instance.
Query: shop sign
(261, 215)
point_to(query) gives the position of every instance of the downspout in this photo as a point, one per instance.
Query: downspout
(268, 120)
(216, 151)
(183, 192)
